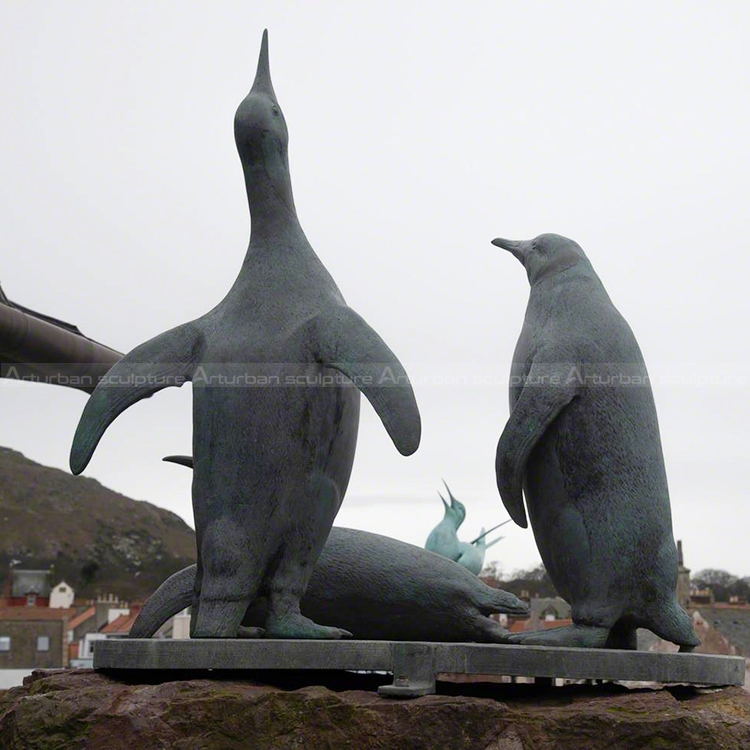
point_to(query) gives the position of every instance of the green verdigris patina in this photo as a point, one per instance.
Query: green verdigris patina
(443, 539)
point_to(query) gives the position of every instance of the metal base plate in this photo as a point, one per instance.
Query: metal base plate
(416, 665)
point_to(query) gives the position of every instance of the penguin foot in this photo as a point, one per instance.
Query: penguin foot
(578, 636)
(247, 632)
(299, 626)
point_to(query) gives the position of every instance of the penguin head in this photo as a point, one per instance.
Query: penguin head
(260, 130)
(459, 510)
(545, 255)
(454, 511)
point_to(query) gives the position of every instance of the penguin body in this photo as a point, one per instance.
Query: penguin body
(272, 463)
(443, 539)
(582, 444)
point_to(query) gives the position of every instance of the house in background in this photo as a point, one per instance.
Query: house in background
(32, 638)
(548, 609)
(61, 596)
(545, 612)
(43, 627)
(28, 588)
(181, 625)
(82, 652)
(84, 622)
(118, 624)
(90, 626)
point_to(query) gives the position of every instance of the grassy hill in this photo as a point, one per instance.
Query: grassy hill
(98, 540)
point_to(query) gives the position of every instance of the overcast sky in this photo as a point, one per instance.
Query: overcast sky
(418, 132)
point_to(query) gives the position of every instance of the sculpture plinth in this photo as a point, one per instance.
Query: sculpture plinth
(415, 666)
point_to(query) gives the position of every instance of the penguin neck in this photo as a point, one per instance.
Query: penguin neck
(550, 269)
(449, 523)
(272, 212)
(563, 273)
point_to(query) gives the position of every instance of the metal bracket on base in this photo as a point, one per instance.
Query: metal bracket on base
(413, 671)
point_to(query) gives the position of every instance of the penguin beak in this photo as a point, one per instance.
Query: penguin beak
(518, 249)
(262, 83)
(450, 494)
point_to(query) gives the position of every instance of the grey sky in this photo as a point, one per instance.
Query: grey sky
(418, 132)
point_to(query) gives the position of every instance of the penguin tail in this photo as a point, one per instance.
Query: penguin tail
(672, 623)
(167, 360)
(491, 601)
(169, 599)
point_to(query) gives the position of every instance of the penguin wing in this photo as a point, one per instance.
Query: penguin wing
(536, 409)
(345, 342)
(169, 359)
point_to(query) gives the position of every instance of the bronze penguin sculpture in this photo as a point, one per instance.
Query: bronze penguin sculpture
(582, 444)
(271, 463)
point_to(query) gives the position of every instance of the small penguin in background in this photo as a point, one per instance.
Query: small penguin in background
(443, 539)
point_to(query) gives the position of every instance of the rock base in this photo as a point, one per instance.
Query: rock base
(86, 709)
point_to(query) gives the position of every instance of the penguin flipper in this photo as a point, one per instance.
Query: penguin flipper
(536, 409)
(346, 343)
(168, 359)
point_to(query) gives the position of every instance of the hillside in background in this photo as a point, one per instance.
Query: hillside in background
(98, 540)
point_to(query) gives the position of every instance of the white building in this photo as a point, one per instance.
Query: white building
(61, 596)
(181, 625)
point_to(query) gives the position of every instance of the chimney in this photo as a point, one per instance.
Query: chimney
(105, 602)
(679, 553)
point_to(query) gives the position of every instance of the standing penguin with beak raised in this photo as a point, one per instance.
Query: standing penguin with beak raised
(271, 463)
(582, 443)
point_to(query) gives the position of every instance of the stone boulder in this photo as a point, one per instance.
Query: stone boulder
(86, 709)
